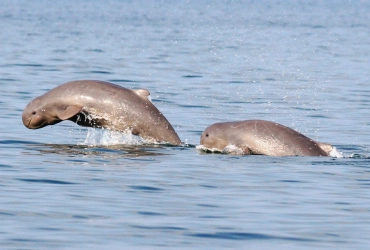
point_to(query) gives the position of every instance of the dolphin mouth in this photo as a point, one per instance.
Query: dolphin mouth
(28, 123)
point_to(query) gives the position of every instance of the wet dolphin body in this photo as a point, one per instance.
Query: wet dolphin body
(261, 137)
(102, 105)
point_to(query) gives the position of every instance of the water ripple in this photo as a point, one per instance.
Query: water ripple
(165, 228)
(246, 236)
(46, 181)
(192, 76)
(145, 188)
(100, 72)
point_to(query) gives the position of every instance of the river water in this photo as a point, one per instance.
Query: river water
(304, 64)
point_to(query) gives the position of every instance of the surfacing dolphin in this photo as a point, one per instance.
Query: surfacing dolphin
(262, 138)
(101, 105)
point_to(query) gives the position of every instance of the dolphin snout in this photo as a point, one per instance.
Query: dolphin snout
(33, 121)
(201, 139)
(26, 120)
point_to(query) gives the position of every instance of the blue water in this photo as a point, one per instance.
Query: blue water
(304, 64)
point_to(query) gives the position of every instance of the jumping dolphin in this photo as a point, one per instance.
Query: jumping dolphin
(102, 105)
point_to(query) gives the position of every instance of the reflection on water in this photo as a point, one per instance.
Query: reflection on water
(105, 143)
(112, 151)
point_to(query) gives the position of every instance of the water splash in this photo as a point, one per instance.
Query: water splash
(229, 149)
(335, 153)
(106, 137)
(204, 149)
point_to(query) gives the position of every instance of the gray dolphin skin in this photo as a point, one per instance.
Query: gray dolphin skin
(102, 105)
(262, 138)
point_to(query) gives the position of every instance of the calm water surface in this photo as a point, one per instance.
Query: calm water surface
(304, 64)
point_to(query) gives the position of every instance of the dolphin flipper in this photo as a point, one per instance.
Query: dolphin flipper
(69, 112)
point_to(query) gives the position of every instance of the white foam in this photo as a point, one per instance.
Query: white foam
(106, 137)
(334, 153)
(229, 149)
(205, 149)
(234, 150)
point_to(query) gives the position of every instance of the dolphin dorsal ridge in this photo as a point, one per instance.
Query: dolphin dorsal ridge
(143, 93)
(325, 146)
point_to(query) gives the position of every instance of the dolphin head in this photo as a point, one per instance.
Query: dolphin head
(213, 137)
(48, 109)
(37, 115)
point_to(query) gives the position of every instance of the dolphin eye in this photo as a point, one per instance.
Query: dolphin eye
(34, 112)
